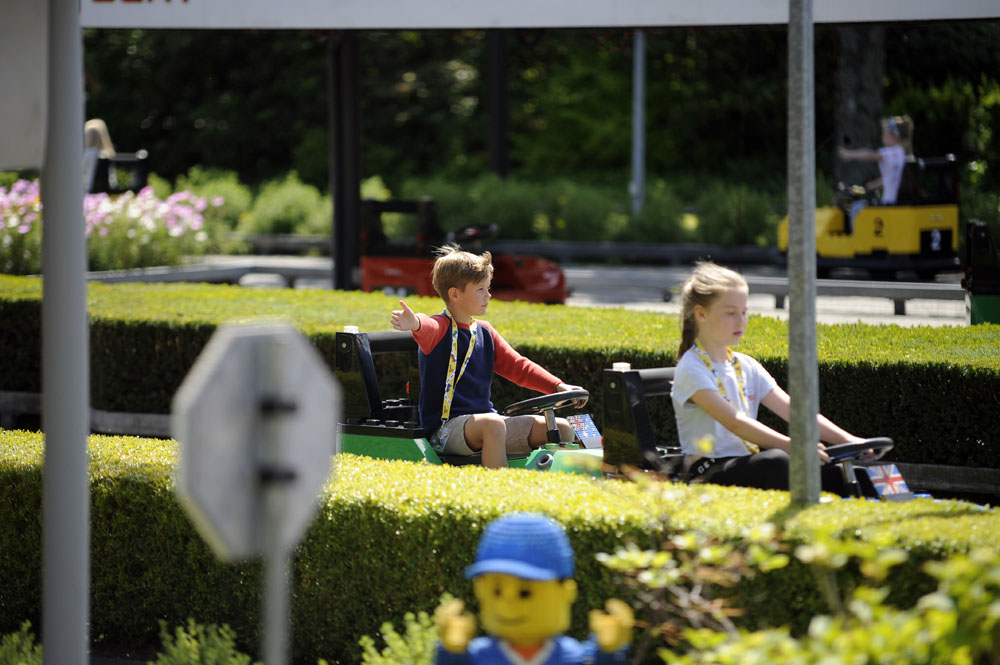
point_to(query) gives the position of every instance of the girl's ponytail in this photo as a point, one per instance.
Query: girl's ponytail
(689, 331)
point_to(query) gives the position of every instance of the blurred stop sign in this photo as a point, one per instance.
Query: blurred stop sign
(257, 413)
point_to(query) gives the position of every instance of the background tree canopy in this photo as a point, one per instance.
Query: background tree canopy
(256, 102)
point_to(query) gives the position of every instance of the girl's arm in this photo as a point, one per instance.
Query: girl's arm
(779, 402)
(740, 424)
(859, 154)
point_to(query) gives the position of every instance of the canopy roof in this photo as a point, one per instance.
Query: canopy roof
(456, 14)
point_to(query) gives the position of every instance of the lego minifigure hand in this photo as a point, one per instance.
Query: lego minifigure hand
(456, 627)
(613, 629)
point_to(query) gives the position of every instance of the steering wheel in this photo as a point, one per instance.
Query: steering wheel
(857, 451)
(552, 401)
(547, 406)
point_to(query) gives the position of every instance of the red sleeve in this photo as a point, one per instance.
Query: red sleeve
(526, 373)
(432, 330)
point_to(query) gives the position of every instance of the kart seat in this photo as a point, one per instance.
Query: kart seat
(355, 368)
(628, 433)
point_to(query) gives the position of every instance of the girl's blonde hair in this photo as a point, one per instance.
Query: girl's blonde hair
(456, 267)
(901, 126)
(95, 135)
(703, 287)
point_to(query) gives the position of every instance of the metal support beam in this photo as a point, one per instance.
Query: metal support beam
(65, 371)
(496, 44)
(345, 158)
(803, 382)
(637, 188)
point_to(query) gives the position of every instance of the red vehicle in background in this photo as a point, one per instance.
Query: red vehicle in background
(400, 263)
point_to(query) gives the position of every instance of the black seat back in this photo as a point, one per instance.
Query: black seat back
(629, 437)
(355, 368)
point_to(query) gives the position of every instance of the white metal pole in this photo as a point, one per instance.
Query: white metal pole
(803, 381)
(65, 383)
(638, 185)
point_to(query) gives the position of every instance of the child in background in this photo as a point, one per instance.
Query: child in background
(897, 148)
(717, 392)
(96, 145)
(458, 357)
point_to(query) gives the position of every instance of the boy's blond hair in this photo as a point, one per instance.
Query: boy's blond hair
(458, 268)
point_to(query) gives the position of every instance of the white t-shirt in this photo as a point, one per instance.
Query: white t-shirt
(693, 423)
(890, 164)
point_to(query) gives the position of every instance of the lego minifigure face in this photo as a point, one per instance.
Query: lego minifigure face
(524, 612)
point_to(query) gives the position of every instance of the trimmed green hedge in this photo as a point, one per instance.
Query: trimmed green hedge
(935, 391)
(391, 537)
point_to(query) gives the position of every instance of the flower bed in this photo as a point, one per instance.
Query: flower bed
(131, 230)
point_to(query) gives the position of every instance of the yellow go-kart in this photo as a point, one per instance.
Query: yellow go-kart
(919, 233)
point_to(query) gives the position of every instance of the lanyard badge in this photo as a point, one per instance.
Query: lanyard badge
(451, 380)
(744, 404)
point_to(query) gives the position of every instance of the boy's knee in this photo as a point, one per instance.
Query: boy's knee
(491, 423)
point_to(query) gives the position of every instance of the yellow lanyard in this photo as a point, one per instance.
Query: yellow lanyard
(451, 380)
(744, 404)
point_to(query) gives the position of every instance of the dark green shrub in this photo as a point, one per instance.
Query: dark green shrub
(735, 215)
(935, 391)
(288, 206)
(398, 535)
(659, 221)
(224, 187)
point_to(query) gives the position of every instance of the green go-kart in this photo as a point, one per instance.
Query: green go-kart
(389, 429)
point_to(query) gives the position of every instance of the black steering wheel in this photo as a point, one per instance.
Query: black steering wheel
(858, 451)
(547, 406)
(552, 401)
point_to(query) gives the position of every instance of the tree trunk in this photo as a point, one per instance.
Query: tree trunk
(860, 70)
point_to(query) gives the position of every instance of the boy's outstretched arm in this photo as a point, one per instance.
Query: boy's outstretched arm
(405, 319)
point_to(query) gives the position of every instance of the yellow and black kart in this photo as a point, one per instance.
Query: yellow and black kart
(919, 233)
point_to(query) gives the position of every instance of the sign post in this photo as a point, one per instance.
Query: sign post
(256, 419)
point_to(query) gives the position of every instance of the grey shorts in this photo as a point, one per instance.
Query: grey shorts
(450, 437)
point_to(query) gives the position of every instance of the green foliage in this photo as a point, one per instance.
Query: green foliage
(8, 178)
(659, 221)
(917, 385)
(736, 216)
(958, 623)
(399, 535)
(19, 648)
(415, 646)
(231, 202)
(561, 209)
(233, 199)
(288, 206)
(196, 644)
(715, 100)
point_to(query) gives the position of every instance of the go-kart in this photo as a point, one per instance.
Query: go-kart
(389, 429)
(402, 265)
(630, 439)
(919, 233)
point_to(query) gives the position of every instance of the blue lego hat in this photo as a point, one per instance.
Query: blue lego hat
(524, 545)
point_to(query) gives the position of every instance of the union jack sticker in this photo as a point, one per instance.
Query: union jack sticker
(887, 479)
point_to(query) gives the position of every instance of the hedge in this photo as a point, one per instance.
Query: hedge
(391, 537)
(935, 391)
